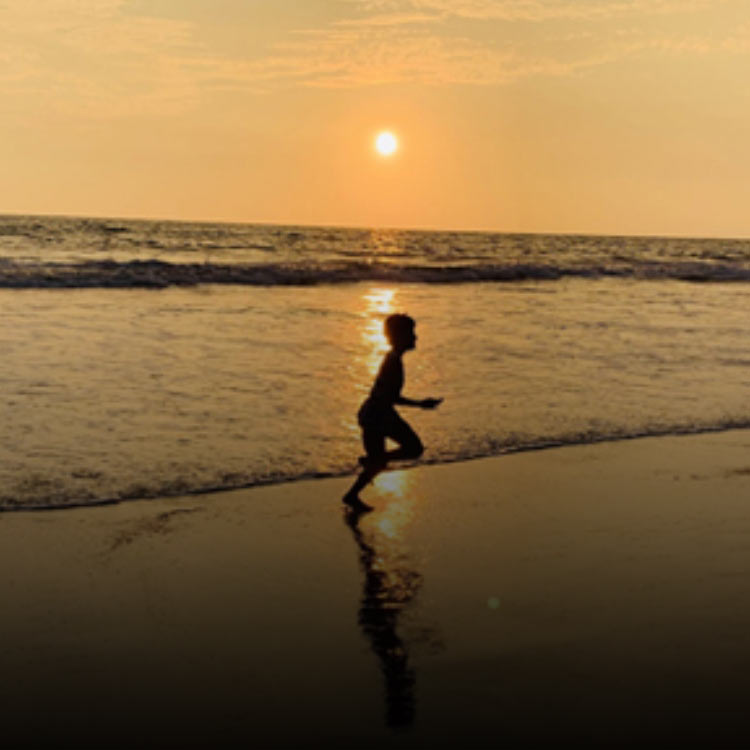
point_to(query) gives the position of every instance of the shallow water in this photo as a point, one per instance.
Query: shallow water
(133, 393)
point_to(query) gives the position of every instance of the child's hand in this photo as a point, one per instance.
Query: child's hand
(431, 403)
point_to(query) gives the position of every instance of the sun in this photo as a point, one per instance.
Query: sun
(386, 143)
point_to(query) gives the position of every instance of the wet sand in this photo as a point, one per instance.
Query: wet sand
(598, 595)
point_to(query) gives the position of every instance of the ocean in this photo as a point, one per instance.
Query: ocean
(154, 358)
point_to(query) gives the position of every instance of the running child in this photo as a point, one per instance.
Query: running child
(377, 416)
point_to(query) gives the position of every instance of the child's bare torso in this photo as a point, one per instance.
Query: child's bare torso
(389, 381)
(384, 393)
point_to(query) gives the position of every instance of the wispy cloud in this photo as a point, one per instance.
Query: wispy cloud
(533, 10)
(348, 57)
(389, 20)
(100, 58)
(420, 41)
(91, 56)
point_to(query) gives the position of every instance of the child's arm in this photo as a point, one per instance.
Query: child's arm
(425, 403)
(391, 378)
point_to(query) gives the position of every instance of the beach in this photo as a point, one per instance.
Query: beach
(594, 594)
(493, 255)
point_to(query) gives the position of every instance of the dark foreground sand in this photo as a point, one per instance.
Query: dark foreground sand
(594, 595)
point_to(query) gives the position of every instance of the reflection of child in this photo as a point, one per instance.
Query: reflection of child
(377, 417)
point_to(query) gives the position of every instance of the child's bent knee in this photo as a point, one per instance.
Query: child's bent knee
(416, 449)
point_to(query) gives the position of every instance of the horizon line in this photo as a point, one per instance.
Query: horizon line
(649, 235)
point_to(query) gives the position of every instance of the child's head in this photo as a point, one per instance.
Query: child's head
(399, 330)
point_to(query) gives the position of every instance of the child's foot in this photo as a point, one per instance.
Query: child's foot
(352, 500)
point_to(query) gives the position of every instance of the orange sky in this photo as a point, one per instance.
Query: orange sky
(601, 116)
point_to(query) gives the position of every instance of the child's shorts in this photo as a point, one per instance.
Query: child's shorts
(379, 422)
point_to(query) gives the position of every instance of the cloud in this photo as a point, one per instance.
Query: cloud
(495, 42)
(98, 58)
(351, 57)
(533, 10)
(421, 42)
(389, 19)
(90, 56)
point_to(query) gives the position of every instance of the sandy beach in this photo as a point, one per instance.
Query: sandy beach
(598, 595)
(244, 243)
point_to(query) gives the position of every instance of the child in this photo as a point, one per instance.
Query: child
(377, 417)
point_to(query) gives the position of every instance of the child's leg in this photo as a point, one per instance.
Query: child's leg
(375, 455)
(366, 476)
(410, 446)
(374, 442)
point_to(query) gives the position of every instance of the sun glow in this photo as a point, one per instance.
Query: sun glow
(386, 143)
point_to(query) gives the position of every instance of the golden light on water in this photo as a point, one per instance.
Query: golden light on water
(389, 585)
(399, 512)
(381, 300)
(378, 305)
(375, 304)
(391, 525)
(386, 143)
(395, 482)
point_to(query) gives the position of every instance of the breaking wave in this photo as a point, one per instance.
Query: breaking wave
(157, 274)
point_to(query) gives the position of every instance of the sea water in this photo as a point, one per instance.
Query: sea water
(144, 358)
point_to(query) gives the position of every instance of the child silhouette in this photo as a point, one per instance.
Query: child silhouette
(377, 416)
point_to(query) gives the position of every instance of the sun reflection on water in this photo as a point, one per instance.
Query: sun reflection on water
(379, 303)
(393, 520)
(375, 305)
(390, 584)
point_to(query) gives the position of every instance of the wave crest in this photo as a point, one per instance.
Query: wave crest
(157, 274)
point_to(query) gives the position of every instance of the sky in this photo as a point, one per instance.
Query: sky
(590, 116)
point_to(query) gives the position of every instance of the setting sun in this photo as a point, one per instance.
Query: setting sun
(386, 143)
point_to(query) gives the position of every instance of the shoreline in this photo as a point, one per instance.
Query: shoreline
(399, 466)
(592, 593)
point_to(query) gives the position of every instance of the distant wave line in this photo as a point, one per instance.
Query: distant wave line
(157, 274)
